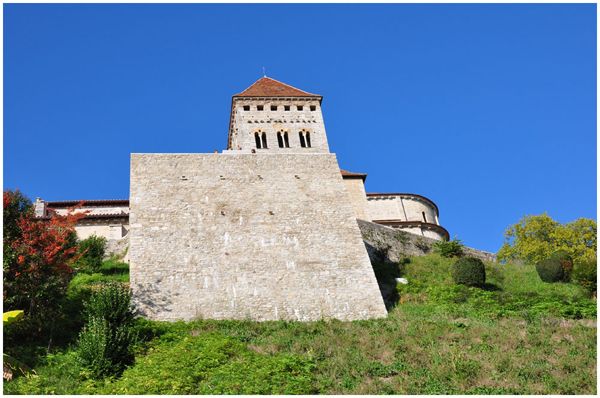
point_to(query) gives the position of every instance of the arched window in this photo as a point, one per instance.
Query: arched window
(286, 139)
(280, 139)
(302, 142)
(257, 139)
(264, 140)
(308, 139)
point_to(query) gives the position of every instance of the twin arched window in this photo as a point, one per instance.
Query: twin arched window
(283, 140)
(261, 140)
(304, 139)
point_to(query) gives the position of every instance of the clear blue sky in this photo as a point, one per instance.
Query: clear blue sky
(489, 110)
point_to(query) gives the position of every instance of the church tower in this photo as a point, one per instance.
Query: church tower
(272, 117)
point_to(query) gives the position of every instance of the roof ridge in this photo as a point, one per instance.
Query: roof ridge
(306, 92)
(265, 84)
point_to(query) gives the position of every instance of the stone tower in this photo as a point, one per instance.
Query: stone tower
(272, 117)
(265, 230)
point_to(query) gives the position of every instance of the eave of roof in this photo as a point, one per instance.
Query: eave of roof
(96, 202)
(267, 87)
(350, 175)
(91, 216)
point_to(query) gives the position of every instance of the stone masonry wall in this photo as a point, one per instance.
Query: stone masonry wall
(403, 244)
(261, 237)
(356, 189)
(401, 207)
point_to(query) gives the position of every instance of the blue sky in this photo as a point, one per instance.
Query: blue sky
(489, 110)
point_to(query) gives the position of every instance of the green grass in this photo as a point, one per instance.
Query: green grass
(516, 335)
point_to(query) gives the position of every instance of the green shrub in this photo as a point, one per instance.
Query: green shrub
(550, 270)
(468, 271)
(93, 249)
(453, 248)
(113, 303)
(105, 349)
(567, 263)
(105, 344)
(585, 272)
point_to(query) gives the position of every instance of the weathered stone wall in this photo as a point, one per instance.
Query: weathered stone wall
(261, 237)
(245, 123)
(118, 247)
(358, 197)
(388, 244)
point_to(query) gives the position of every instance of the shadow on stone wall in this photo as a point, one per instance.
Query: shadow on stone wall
(152, 303)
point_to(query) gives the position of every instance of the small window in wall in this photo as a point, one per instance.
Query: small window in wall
(308, 139)
(257, 139)
(286, 140)
(280, 140)
(259, 108)
(246, 107)
(264, 140)
(286, 107)
(273, 107)
(424, 218)
(300, 107)
(302, 142)
(313, 108)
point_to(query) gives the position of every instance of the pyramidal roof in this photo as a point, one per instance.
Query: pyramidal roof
(267, 87)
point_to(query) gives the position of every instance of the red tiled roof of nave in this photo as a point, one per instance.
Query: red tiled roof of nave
(267, 87)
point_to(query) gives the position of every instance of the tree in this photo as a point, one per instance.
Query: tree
(37, 257)
(535, 237)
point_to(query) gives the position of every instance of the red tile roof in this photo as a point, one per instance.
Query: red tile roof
(267, 87)
(349, 174)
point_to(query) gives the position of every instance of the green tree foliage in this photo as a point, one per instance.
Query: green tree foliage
(536, 237)
(16, 206)
(586, 273)
(92, 252)
(448, 249)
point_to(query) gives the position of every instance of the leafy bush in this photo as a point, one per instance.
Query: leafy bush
(105, 344)
(453, 248)
(567, 263)
(92, 250)
(112, 302)
(550, 270)
(585, 272)
(105, 349)
(468, 271)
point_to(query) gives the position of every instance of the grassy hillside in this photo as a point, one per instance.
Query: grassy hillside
(516, 335)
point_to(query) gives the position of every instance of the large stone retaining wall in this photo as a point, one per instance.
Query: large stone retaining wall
(260, 237)
(388, 244)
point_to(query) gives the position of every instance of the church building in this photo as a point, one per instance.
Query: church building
(264, 230)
